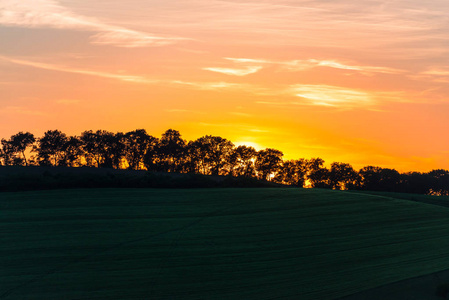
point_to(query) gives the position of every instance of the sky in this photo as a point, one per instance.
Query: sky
(361, 82)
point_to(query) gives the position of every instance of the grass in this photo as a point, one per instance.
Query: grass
(213, 243)
(435, 200)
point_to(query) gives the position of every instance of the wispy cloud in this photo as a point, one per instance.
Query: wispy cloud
(314, 63)
(437, 72)
(208, 86)
(248, 60)
(325, 95)
(250, 66)
(50, 14)
(342, 97)
(236, 72)
(45, 66)
(328, 96)
(306, 64)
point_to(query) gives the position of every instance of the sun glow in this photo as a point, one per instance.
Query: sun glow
(249, 144)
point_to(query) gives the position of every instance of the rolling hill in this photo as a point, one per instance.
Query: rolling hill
(213, 243)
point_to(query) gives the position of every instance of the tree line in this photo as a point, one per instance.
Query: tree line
(208, 155)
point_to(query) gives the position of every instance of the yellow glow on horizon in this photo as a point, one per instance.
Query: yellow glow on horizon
(249, 144)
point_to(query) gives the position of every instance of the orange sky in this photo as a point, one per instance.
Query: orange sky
(363, 82)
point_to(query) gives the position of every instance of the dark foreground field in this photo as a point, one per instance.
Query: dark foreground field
(213, 243)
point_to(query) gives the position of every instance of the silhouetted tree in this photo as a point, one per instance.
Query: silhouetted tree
(150, 159)
(137, 143)
(102, 148)
(170, 151)
(242, 161)
(194, 159)
(292, 172)
(439, 182)
(210, 155)
(380, 179)
(415, 182)
(268, 163)
(316, 174)
(72, 152)
(14, 149)
(7, 153)
(343, 176)
(50, 148)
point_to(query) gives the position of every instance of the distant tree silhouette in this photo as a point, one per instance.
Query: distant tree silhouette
(100, 148)
(116, 150)
(150, 158)
(195, 161)
(268, 163)
(293, 172)
(14, 149)
(137, 143)
(72, 152)
(170, 151)
(415, 182)
(50, 148)
(210, 155)
(242, 161)
(316, 174)
(7, 154)
(439, 182)
(343, 176)
(380, 179)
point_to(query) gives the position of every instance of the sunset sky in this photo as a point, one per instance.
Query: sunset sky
(363, 82)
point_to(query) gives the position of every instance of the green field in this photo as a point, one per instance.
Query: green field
(213, 243)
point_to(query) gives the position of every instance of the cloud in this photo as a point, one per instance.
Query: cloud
(325, 95)
(247, 60)
(45, 66)
(131, 39)
(50, 14)
(306, 64)
(208, 86)
(236, 72)
(314, 63)
(437, 72)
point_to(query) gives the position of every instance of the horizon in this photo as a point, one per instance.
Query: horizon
(359, 83)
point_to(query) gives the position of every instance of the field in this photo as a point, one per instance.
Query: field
(213, 243)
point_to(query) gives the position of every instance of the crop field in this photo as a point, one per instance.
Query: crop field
(213, 243)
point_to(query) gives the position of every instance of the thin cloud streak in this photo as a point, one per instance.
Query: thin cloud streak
(333, 97)
(209, 86)
(49, 14)
(236, 72)
(301, 65)
(325, 95)
(127, 78)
